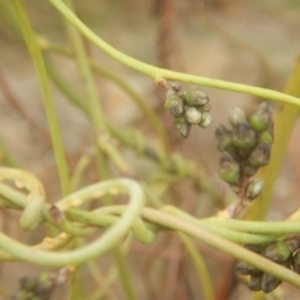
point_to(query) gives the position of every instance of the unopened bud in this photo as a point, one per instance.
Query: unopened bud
(293, 243)
(174, 105)
(260, 155)
(229, 169)
(278, 252)
(269, 282)
(254, 188)
(183, 126)
(196, 98)
(250, 171)
(205, 107)
(261, 118)
(257, 248)
(176, 86)
(246, 269)
(237, 116)
(244, 137)
(296, 262)
(193, 115)
(206, 120)
(266, 137)
(254, 282)
(224, 137)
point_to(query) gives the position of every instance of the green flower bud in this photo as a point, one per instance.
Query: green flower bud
(266, 137)
(278, 252)
(229, 169)
(260, 155)
(174, 105)
(183, 126)
(257, 248)
(206, 120)
(250, 171)
(246, 269)
(269, 282)
(193, 115)
(196, 98)
(243, 137)
(254, 282)
(296, 262)
(224, 137)
(176, 86)
(205, 107)
(237, 116)
(261, 118)
(293, 243)
(254, 188)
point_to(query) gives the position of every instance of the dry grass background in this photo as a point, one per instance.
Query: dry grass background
(252, 42)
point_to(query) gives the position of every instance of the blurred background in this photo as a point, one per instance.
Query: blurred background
(250, 42)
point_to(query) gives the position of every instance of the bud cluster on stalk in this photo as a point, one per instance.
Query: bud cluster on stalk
(245, 148)
(284, 252)
(187, 108)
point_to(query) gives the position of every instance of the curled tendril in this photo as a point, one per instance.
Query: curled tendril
(31, 214)
(108, 240)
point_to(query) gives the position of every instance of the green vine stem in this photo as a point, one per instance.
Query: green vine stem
(31, 214)
(172, 164)
(284, 121)
(96, 113)
(46, 91)
(199, 265)
(124, 274)
(103, 244)
(47, 46)
(158, 73)
(129, 215)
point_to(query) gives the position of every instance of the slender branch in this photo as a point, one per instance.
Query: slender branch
(158, 73)
(100, 246)
(47, 96)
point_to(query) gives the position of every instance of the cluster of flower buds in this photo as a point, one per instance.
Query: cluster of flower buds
(245, 148)
(284, 252)
(41, 288)
(187, 108)
(35, 288)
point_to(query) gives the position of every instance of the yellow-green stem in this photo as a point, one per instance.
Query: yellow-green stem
(284, 121)
(47, 96)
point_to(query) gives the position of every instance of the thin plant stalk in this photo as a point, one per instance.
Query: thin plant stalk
(158, 74)
(199, 265)
(284, 122)
(47, 96)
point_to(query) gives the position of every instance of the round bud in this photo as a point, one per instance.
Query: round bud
(183, 126)
(193, 115)
(269, 282)
(196, 98)
(229, 169)
(250, 171)
(246, 269)
(266, 137)
(261, 118)
(243, 137)
(206, 120)
(260, 155)
(174, 105)
(254, 282)
(254, 188)
(205, 107)
(224, 137)
(175, 85)
(278, 252)
(296, 262)
(237, 116)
